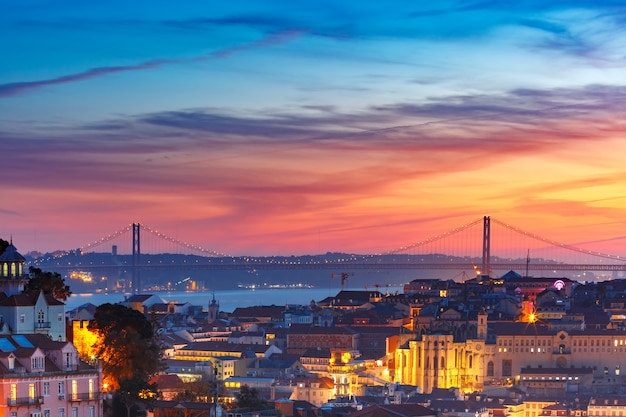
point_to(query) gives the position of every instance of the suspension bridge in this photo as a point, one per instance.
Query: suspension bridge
(485, 246)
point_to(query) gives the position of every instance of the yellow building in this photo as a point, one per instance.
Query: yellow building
(442, 360)
(83, 339)
(437, 361)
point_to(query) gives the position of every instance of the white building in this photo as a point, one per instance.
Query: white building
(24, 314)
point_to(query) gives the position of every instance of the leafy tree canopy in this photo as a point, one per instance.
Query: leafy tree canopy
(249, 399)
(3, 246)
(199, 390)
(135, 391)
(51, 283)
(126, 344)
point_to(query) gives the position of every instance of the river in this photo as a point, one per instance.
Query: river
(228, 299)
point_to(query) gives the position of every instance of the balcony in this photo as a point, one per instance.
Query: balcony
(85, 396)
(25, 401)
(42, 325)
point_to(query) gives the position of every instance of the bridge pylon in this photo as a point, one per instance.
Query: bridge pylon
(136, 258)
(486, 263)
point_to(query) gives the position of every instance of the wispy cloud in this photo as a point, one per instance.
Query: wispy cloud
(453, 133)
(13, 89)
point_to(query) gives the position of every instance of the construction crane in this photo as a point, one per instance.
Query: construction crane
(344, 277)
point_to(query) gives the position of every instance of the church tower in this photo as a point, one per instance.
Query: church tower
(482, 324)
(214, 309)
(12, 276)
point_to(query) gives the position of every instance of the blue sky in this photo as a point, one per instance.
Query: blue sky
(257, 127)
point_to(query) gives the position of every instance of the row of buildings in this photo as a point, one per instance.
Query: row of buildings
(41, 373)
(511, 345)
(536, 340)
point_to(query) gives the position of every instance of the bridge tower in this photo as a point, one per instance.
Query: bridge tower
(486, 265)
(136, 257)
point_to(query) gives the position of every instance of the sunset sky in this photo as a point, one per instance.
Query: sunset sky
(282, 127)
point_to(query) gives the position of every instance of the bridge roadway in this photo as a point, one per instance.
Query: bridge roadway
(356, 265)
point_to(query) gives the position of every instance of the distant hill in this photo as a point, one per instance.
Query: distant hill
(177, 271)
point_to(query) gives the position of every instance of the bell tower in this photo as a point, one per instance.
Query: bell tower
(214, 309)
(481, 328)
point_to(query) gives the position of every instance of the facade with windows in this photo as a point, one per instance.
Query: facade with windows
(21, 313)
(44, 378)
(41, 374)
(521, 345)
(438, 361)
(442, 361)
(26, 315)
(607, 405)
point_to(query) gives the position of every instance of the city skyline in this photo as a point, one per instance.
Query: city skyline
(258, 129)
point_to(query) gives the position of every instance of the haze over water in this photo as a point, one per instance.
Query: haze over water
(228, 300)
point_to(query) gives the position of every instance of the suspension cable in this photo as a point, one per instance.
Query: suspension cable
(106, 238)
(182, 243)
(561, 245)
(433, 239)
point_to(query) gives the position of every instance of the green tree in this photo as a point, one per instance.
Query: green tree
(51, 283)
(126, 344)
(249, 399)
(199, 390)
(134, 392)
(3, 246)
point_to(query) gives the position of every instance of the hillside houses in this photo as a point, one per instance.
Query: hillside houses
(41, 373)
(524, 339)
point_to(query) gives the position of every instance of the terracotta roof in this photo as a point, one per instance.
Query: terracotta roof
(316, 353)
(167, 381)
(138, 298)
(394, 410)
(555, 371)
(518, 329)
(308, 329)
(51, 301)
(18, 300)
(258, 311)
(182, 405)
(25, 300)
(226, 347)
(456, 406)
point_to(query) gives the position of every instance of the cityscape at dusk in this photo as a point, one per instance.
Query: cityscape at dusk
(264, 128)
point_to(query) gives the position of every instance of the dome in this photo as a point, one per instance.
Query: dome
(11, 255)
